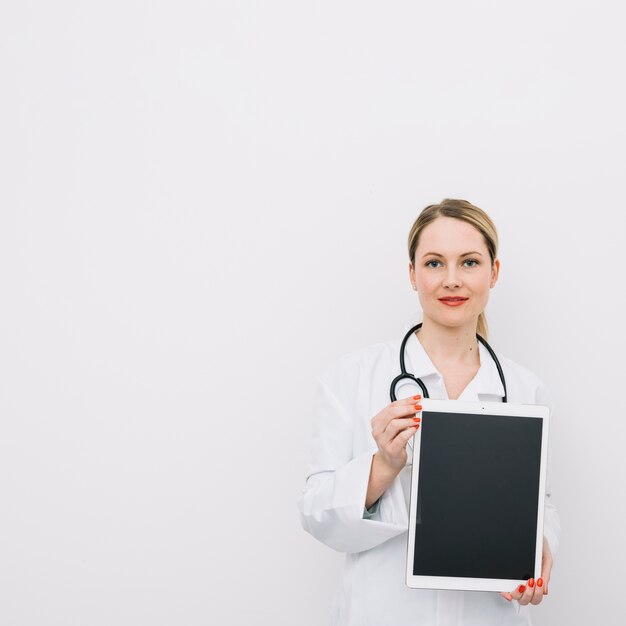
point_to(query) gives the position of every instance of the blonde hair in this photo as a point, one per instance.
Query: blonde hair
(466, 212)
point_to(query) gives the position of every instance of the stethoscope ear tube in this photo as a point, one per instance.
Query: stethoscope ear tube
(404, 375)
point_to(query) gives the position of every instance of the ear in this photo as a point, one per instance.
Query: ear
(412, 276)
(495, 271)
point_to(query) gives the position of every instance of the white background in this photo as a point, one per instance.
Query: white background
(202, 204)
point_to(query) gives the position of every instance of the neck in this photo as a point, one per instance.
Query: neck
(445, 344)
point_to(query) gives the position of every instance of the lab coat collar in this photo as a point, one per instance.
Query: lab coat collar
(486, 382)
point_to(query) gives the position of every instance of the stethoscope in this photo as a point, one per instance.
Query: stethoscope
(404, 375)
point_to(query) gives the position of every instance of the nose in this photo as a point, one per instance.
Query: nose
(452, 280)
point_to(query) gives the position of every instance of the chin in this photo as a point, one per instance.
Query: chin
(453, 321)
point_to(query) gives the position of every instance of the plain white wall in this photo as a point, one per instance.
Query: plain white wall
(204, 203)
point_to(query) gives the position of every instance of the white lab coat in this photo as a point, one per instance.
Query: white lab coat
(332, 504)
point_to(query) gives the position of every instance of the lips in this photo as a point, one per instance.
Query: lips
(453, 300)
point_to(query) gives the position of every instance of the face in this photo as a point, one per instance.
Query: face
(453, 273)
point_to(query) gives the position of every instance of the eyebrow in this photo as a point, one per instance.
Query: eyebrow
(475, 252)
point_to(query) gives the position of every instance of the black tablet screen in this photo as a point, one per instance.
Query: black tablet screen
(478, 496)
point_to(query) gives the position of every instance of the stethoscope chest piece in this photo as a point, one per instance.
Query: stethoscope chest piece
(407, 380)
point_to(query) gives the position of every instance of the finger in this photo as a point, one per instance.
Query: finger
(402, 410)
(397, 447)
(546, 567)
(532, 594)
(403, 402)
(518, 592)
(403, 438)
(542, 585)
(537, 595)
(394, 441)
(388, 414)
(395, 410)
(506, 595)
(398, 425)
(409, 400)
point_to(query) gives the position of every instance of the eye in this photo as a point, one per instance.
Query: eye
(470, 262)
(432, 263)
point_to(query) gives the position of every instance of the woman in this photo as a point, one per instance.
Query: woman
(356, 495)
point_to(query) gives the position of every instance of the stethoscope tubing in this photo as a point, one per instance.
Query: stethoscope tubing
(404, 375)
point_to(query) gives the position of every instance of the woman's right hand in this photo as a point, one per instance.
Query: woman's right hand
(393, 427)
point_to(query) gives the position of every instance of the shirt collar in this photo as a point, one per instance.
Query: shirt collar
(487, 380)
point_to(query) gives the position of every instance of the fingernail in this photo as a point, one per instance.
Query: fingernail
(416, 426)
(418, 407)
(539, 582)
(416, 419)
(531, 583)
(521, 588)
(417, 397)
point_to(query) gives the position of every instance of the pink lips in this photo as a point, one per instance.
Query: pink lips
(453, 301)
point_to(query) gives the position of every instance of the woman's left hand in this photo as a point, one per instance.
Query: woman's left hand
(534, 590)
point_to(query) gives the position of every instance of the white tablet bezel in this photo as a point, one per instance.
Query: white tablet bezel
(477, 408)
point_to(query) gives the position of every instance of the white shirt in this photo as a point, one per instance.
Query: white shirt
(332, 505)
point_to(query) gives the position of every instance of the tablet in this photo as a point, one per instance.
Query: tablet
(477, 495)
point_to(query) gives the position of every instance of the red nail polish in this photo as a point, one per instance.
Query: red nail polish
(539, 582)
(417, 397)
(418, 407)
(521, 588)
(416, 426)
(416, 419)
(531, 583)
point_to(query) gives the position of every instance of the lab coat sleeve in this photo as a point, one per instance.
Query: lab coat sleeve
(551, 522)
(332, 504)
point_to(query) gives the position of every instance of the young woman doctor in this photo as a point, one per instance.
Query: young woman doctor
(356, 494)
